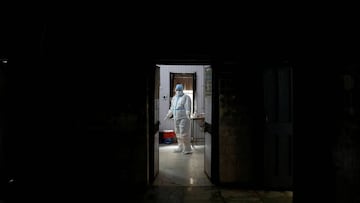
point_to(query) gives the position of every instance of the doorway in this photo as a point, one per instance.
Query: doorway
(176, 168)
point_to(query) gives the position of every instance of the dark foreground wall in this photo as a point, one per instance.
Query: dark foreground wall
(74, 113)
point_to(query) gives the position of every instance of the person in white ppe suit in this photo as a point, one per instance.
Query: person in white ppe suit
(180, 110)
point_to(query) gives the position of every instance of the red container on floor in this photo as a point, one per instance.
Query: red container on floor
(168, 134)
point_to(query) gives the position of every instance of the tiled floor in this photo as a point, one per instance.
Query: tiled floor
(182, 179)
(177, 169)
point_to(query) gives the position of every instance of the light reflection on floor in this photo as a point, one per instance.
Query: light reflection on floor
(181, 170)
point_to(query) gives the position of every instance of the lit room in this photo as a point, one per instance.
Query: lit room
(175, 167)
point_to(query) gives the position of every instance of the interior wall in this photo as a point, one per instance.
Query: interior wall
(165, 90)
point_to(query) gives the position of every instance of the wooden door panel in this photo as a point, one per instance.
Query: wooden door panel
(278, 135)
(157, 122)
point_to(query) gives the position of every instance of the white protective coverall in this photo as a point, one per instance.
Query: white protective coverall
(180, 110)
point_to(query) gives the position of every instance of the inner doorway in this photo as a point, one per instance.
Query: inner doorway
(176, 168)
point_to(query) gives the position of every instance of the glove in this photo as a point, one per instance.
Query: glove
(188, 114)
(168, 115)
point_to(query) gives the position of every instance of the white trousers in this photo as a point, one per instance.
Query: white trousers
(182, 127)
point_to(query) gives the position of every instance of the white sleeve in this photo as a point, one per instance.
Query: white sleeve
(172, 106)
(188, 105)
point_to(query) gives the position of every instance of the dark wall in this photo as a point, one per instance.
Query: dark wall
(2, 125)
(75, 110)
(346, 144)
(103, 91)
(23, 49)
(318, 105)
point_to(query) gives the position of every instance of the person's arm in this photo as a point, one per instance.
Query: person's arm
(188, 106)
(170, 112)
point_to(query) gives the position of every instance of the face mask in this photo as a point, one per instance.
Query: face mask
(178, 92)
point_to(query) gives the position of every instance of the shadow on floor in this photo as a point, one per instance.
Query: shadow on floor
(199, 194)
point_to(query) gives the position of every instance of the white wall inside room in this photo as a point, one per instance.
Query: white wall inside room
(164, 93)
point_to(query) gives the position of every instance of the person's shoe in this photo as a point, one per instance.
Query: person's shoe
(178, 150)
(187, 152)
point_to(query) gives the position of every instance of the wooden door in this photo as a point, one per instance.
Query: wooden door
(278, 136)
(154, 85)
(208, 81)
